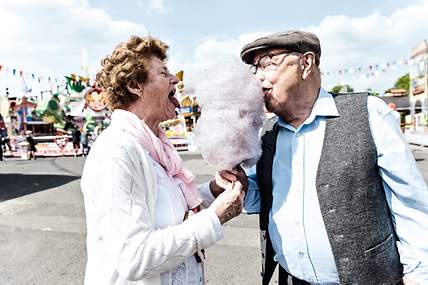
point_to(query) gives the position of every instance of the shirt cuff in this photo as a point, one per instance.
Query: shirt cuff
(252, 199)
(206, 194)
(207, 228)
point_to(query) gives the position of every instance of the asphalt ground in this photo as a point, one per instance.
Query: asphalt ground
(42, 225)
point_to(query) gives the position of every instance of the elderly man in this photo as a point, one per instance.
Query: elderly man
(340, 197)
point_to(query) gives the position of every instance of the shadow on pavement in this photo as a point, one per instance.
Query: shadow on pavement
(13, 185)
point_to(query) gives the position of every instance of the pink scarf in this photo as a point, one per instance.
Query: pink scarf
(161, 150)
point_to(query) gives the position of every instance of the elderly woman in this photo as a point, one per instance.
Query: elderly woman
(137, 193)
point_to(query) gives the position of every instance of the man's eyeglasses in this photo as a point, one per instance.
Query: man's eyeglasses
(269, 62)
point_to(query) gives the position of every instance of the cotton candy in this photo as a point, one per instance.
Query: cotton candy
(232, 113)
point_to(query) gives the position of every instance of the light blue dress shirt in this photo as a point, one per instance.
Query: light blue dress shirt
(296, 225)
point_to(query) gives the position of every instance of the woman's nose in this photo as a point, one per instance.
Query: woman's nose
(174, 79)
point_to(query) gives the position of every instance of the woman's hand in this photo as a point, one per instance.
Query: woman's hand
(229, 203)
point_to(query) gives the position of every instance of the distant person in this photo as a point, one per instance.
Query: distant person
(75, 138)
(69, 124)
(4, 138)
(84, 141)
(90, 140)
(3, 128)
(31, 147)
(145, 222)
(13, 119)
(1, 150)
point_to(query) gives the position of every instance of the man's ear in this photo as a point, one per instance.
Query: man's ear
(308, 63)
(134, 88)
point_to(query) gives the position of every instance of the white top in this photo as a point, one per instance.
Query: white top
(134, 213)
(171, 207)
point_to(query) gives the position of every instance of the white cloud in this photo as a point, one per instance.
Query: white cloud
(374, 39)
(347, 42)
(208, 51)
(42, 36)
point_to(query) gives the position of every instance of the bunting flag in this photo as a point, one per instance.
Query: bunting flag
(24, 74)
(370, 70)
(22, 82)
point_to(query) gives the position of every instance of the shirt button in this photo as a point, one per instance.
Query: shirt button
(301, 254)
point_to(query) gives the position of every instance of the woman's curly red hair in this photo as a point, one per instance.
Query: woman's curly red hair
(128, 63)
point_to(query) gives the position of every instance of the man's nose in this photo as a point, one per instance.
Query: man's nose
(261, 76)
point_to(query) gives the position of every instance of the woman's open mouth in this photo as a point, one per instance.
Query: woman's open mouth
(171, 97)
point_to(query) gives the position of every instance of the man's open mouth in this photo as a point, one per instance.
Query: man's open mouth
(266, 92)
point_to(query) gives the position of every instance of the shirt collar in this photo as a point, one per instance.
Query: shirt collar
(324, 106)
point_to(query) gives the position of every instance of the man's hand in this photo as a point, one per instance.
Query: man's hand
(242, 177)
(225, 177)
(229, 203)
(216, 189)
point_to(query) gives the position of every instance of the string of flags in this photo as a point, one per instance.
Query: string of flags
(367, 71)
(370, 70)
(22, 73)
(73, 82)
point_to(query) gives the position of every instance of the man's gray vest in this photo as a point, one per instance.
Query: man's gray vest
(351, 197)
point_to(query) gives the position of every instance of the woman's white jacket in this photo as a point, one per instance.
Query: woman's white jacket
(119, 186)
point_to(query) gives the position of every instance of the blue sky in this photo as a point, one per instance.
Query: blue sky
(47, 36)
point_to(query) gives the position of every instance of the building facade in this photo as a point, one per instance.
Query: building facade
(418, 94)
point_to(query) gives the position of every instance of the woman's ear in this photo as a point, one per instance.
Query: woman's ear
(134, 88)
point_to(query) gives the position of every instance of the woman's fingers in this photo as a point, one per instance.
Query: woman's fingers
(237, 186)
(221, 182)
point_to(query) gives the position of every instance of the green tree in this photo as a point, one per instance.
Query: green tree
(342, 89)
(403, 82)
(372, 92)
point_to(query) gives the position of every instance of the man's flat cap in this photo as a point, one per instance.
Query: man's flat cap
(297, 41)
